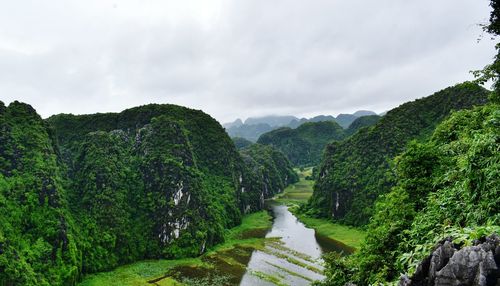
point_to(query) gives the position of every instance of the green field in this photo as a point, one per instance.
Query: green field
(349, 236)
(140, 273)
(298, 193)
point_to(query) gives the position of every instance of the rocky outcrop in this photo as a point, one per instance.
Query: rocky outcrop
(451, 265)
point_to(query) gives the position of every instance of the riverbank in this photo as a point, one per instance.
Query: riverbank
(249, 234)
(297, 194)
(350, 236)
(231, 261)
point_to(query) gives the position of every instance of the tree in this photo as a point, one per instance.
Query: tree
(492, 71)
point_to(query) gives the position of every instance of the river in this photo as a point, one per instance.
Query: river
(291, 255)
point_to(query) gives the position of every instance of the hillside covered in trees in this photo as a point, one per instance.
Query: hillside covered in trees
(438, 224)
(361, 122)
(253, 128)
(354, 172)
(303, 145)
(241, 143)
(80, 194)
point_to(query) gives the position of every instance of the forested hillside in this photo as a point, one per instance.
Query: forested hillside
(356, 171)
(253, 128)
(241, 143)
(303, 145)
(86, 193)
(438, 223)
(272, 167)
(39, 241)
(360, 122)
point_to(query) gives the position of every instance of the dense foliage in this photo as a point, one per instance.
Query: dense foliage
(446, 187)
(274, 168)
(253, 128)
(87, 193)
(356, 171)
(303, 145)
(360, 122)
(241, 143)
(37, 233)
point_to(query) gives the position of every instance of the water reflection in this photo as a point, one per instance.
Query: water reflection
(291, 256)
(294, 257)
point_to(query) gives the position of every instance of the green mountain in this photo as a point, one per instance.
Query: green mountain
(80, 194)
(356, 171)
(253, 128)
(272, 120)
(360, 122)
(241, 143)
(249, 132)
(39, 242)
(303, 145)
(345, 120)
(443, 210)
(271, 168)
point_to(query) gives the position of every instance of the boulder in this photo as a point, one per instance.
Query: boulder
(451, 265)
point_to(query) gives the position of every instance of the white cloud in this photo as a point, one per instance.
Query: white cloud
(236, 58)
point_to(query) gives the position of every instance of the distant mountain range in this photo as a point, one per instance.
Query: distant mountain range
(253, 127)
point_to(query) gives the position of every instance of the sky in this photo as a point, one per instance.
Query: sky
(237, 59)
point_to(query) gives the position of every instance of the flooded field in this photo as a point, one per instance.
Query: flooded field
(290, 255)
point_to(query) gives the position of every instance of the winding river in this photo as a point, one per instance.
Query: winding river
(291, 255)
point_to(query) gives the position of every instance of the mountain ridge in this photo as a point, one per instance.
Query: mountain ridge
(252, 128)
(353, 172)
(86, 193)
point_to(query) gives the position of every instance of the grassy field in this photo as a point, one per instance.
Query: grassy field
(298, 193)
(349, 236)
(140, 273)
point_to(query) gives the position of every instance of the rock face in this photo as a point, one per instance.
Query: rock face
(449, 265)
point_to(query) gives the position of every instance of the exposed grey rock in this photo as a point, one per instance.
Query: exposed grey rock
(440, 258)
(477, 265)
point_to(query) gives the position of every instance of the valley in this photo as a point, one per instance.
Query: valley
(160, 195)
(116, 168)
(271, 247)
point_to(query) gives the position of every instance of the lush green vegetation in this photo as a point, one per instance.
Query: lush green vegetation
(38, 237)
(364, 121)
(354, 172)
(241, 143)
(81, 194)
(140, 273)
(297, 194)
(253, 128)
(271, 166)
(445, 187)
(348, 235)
(304, 145)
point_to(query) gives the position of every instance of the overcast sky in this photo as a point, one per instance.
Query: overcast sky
(235, 59)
